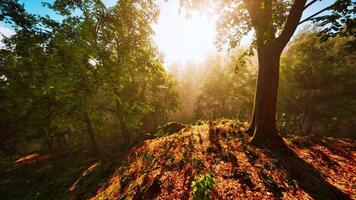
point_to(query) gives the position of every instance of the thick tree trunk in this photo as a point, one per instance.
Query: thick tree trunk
(265, 132)
(264, 116)
(91, 134)
(269, 49)
(122, 121)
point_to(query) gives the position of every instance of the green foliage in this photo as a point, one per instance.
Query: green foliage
(316, 93)
(202, 187)
(339, 22)
(226, 91)
(95, 75)
(268, 19)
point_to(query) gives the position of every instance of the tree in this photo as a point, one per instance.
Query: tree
(19, 82)
(189, 78)
(274, 23)
(315, 94)
(98, 66)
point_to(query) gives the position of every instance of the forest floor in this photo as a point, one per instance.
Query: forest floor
(165, 167)
(75, 175)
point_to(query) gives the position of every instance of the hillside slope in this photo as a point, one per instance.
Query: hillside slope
(165, 167)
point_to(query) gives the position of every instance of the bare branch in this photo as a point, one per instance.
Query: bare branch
(317, 13)
(309, 4)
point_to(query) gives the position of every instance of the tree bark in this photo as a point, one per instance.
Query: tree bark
(250, 130)
(265, 132)
(269, 49)
(91, 134)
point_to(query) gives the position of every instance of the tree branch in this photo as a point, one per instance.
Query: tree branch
(292, 23)
(317, 13)
(305, 20)
(260, 12)
(251, 8)
(309, 4)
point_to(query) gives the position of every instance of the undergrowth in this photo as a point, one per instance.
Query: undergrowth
(202, 187)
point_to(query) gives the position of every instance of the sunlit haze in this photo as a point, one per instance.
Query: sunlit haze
(183, 38)
(178, 37)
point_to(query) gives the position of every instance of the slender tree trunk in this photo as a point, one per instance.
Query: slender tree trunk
(251, 128)
(301, 123)
(310, 127)
(155, 119)
(306, 111)
(91, 134)
(48, 138)
(60, 142)
(143, 91)
(48, 141)
(122, 121)
(265, 132)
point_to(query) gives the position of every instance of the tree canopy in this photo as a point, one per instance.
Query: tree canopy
(316, 95)
(98, 66)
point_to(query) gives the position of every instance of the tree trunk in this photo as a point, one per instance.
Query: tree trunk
(251, 128)
(48, 139)
(265, 132)
(122, 121)
(309, 130)
(269, 49)
(91, 134)
(301, 123)
(60, 142)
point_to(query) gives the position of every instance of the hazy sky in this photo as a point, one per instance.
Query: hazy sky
(179, 38)
(182, 38)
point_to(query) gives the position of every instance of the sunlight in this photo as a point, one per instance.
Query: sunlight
(181, 38)
(110, 99)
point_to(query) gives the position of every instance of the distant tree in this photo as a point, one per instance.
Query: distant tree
(189, 79)
(226, 91)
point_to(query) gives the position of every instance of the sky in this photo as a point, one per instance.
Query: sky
(179, 38)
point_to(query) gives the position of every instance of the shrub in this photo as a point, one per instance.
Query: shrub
(202, 186)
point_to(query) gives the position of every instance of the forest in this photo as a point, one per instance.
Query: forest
(92, 107)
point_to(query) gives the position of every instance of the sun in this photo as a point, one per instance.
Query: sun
(181, 38)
